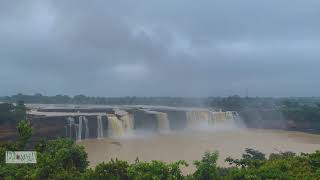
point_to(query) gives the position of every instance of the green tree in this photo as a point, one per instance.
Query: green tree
(114, 169)
(25, 132)
(252, 158)
(207, 167)
(157, 170)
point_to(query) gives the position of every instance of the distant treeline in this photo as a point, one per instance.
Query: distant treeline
(229, 103)
(12, 114)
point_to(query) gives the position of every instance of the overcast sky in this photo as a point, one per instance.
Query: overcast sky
(160, 47)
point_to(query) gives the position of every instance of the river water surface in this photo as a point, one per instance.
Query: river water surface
(191, 145)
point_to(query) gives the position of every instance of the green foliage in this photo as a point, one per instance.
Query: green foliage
(207, 167)
(288, 154)
(12, 114)
(156, 170)
(25, 132)
(285, 165)
(20, 110)
(114, 169)
(301, 112)
(6, 111)
(122, 170)
(56, 159)
(252, 158)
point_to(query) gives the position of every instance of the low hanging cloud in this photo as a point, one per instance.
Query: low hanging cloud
(160, 48)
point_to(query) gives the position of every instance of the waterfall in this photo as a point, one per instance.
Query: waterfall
(220, 117)
(197, 118)
(163, 122)
(80, 128)
(127, 121)
(228, 117)
(70, 124)
(122, 125)
(86, 133)
(100, 127)
(207, 118)
(115, 125)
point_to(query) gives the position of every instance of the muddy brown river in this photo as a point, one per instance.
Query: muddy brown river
(191, 145)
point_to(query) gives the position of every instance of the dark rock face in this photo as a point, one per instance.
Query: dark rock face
(93, 126)
(49, 127)
(177, 119)
(58, 126)
(270, 119)
(145, 121)
(8, 132)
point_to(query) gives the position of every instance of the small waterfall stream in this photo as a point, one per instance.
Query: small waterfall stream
(86, 133)
(80, 128)
(99, 127)
(162, 119)
(163, 122)
(115, 125)
(70, 121)
(127, 121)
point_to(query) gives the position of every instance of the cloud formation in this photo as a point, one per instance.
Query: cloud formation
(160, 48)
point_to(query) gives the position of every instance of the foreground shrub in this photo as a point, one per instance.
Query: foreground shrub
(156, 170)
(207, 167)
(114, 169)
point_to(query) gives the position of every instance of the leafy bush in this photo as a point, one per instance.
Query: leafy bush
(252, 158)
(207, 167)
(114, 169)
(157, 170)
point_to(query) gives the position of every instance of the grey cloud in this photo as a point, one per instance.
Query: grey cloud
(175, 48)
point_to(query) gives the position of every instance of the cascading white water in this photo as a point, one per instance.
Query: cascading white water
(120, 123)
(201, 118)
(86, 133)
(115, 125)
(80, 128)
(70, 124)
(197, 119)
(100, 127)
(127, 122)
